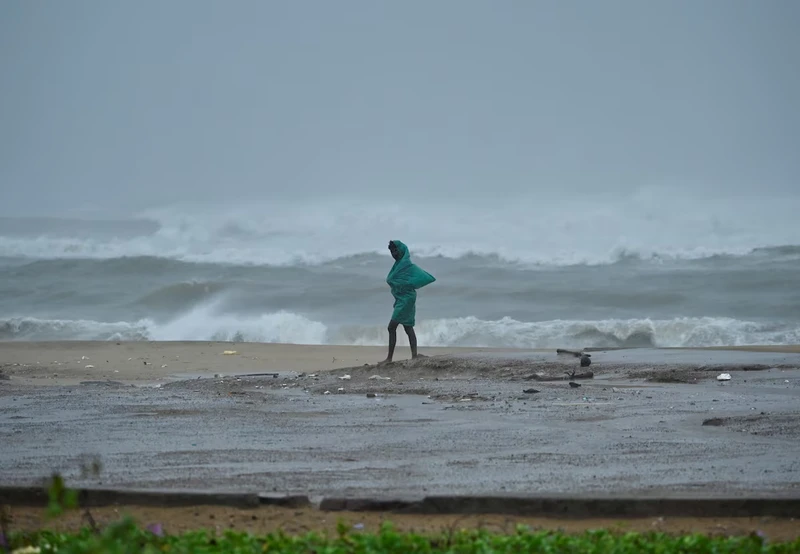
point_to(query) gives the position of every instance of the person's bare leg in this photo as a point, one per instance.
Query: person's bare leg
(392, 341)
(412, 341)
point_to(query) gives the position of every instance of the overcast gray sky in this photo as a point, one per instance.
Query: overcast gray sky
(125, 105)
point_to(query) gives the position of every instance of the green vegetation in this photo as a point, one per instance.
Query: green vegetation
(125, 537)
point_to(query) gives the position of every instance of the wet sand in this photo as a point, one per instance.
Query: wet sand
(68, 363)
(650, 422)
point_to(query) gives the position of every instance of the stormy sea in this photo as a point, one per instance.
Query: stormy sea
(651, 269)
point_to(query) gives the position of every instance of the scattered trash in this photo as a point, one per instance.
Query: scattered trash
(217, 376)
(90, 366)
(530, 391)
(724, 377)
(568, 375)
(84, 357)
(340, 389)
(345, 377)
(574, 385)
(379, 378)
(358, 526)
(163, 366)
(145, 363)
(371, 395)
(326, 392)
(229, 352)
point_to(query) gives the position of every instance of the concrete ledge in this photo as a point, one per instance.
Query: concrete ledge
(37, 496)
(576, 507)
(365, 505)
(561, 507)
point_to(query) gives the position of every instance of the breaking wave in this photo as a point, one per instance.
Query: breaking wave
(287, 327)
(652, 224)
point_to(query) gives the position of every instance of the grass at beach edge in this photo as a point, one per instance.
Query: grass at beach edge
(124, 536)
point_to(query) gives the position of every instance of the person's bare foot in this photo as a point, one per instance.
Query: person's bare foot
(384, 362)
(418, 356)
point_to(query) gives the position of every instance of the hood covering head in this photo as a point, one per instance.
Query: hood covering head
(406, 274)
(401, 248)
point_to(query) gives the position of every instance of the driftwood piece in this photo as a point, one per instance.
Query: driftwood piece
(586, 359)
(575, 353)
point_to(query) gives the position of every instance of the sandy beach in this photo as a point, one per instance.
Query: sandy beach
(70, 362)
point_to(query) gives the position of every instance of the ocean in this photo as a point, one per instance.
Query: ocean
(655, 268)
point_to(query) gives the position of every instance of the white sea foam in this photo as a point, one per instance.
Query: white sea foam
(653, 223)
(204, 323)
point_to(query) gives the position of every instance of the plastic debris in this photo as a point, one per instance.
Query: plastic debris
(345, 377)
(229, 352)
(379, 378)
(163, 366)
(340, 389)
(358, 526)
(326, 392)
(84, 357)
(724, 377)
(88, 366)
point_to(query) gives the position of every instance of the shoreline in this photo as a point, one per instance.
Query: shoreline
(70, 362)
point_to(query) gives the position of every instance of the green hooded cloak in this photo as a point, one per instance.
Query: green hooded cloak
(404, 279)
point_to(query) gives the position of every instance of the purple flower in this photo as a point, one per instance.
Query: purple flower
(156, 529)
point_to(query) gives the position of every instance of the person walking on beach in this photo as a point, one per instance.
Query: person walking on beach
(404, 279)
